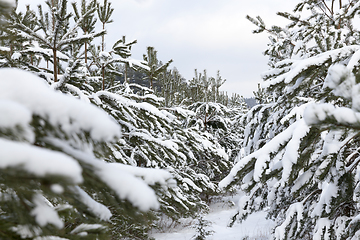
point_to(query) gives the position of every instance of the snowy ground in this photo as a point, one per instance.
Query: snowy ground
(256, 227)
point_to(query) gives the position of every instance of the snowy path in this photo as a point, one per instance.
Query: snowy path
(256, 227)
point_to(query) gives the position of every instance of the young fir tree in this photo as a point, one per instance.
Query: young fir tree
(155, 138)
(203, 88)
(14, 43)
(301, 149)
(108, 64)
(155, 68)
(104, 13)
(88, 22)
(173, 88)
(123, 49)
(51, 37)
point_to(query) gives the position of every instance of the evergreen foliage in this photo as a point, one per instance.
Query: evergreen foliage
(158, 139)
(155, 68)
(88, 22)
(299, 157)
(54, 180)
(113, 134)
(201, 232)
(104, 12)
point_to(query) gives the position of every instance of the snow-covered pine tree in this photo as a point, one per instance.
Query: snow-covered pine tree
(105, 12)
(54, 180)
(52, 36)
(195, 88)
(155, 68)
(216, 83)
(88, 22)
(123, 49)
(12, 41)
(211, 118)
(107, 64)
(173, 88)
(156, 138)
(202, 88)
(301, 150)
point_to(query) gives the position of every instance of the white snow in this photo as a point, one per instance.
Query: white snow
(292, 149)
(261, 156)
(341, 80)
(50, 238)
(57, 188)
(16, 56)
(191, 183)
(26, 231)
(295, 210)
(45, 214)
(82, 228)
(38, 161)
(299, 66)
(138, 105)
(129, 187)
(16, 115)
(255, 227)
(316, 113)
(148, 175)
(329, 190)
(123, 179)
(34, 94)
(98, 209)
(322, 224)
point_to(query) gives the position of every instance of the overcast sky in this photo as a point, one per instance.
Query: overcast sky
(201, 34)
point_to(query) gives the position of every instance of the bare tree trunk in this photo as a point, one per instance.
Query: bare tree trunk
(103, 39)
(340, 6)
(86, 50)
(126, 80)
(86, 54)
(55, 65)
(103, 77)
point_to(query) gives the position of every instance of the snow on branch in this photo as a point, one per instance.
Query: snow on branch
(16, 116)
(300, 66)
(98, 209)
(39, 161)
(71, 114)
(262, 156)
(124, 180)
(127, 102)
(44, 213)
(66, 41)
(326, 112)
